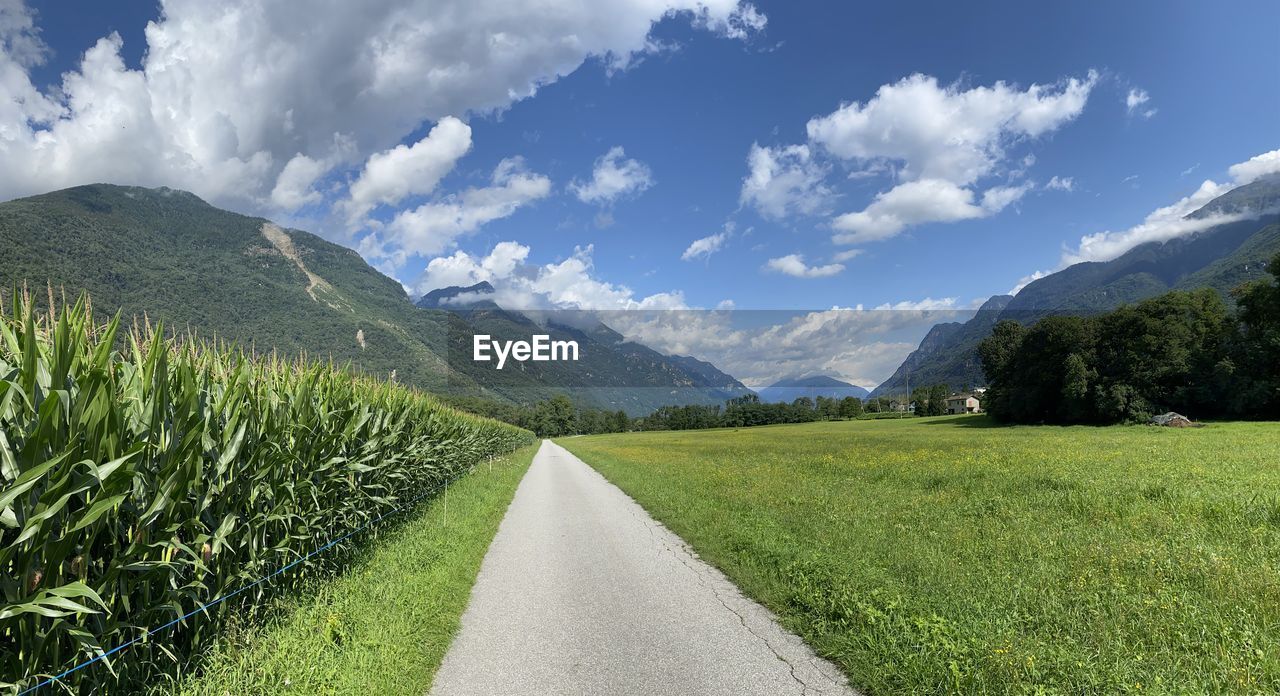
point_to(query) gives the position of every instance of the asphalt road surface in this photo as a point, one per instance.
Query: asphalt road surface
(582, 592)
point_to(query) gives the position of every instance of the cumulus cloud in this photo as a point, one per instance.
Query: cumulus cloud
(613, 177)
(784, 180)
(230, 94)
(918, 202)
(847, 255)
(1171, 221)
(794, 265)
(568, 284)
(294, 186)
(464, 269)
(946, 132)
(433, 227)
(1256, 167)
(937, 141)
(941, 140)
(1135, 100)
(706, 246)
(407, 170)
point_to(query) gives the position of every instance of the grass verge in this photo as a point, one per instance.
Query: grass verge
(384, 626)
(940, 555)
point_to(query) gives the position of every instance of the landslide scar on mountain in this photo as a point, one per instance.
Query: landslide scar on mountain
(284, 243)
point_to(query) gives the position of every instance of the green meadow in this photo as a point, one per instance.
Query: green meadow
(941, 555)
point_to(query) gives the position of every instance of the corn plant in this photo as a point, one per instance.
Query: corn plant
(144, 475)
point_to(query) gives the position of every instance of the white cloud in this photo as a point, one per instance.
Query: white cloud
(940, 141)
(1161, 225)
(19, 36)
(1024, 281)
(464, 269)
(927, 304)
(229, 93)
(389, 176)
(794, 265)
(1134, 101)
(784, 180)
(433, 227)
(293, 187)
(1061, 183)
(1256, 167)
(998, 198)
(742, 23)
(612, 178)
(918, 202)
(706, 246)
(847, 255)
(858, 345)
(1170, 221)
(948, 133)
(567, 284)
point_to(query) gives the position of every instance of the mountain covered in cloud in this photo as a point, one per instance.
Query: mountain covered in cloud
(1221, 256)
(789, 389)
(459, 297)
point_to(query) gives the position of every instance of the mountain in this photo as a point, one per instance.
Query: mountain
(446, 297)
(167, 256)
(948, 353)
(789, 389)
(712, 375)
(171, 257)
(1220, 257)
(610, 371)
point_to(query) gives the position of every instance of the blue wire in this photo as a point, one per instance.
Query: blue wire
(225, 597)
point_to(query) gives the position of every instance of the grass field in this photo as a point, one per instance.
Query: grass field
(385, 625)
(943, 555)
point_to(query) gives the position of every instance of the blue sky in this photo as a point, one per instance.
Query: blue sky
(685, 95)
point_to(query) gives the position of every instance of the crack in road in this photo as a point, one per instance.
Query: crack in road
(684, 554)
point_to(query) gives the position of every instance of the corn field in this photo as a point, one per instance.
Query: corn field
(142, 476)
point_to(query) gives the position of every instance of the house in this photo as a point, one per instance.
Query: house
(968, 402)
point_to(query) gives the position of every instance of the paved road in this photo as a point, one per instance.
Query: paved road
(583, 593)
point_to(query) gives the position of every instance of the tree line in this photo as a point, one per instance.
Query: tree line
(1182, 351)
(749, 410)
(553, 417)
(558, 416)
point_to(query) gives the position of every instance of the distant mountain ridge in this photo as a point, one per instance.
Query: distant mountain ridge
(789, 389)
(175, 258)
(1221, 257)
(441, 297)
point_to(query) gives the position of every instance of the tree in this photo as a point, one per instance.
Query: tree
(937, 400)
(996, 353)
(1163, 346)
(554, 417)
(828, 408)
(850, 407)
(1076, 381)
(1252, 385)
